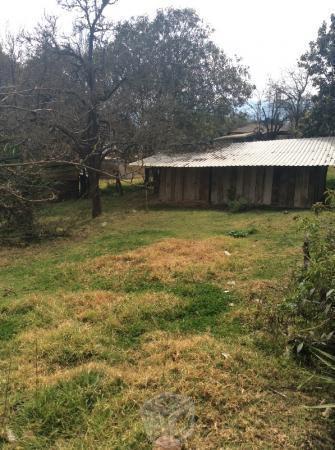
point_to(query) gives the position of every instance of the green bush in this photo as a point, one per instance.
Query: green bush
(311, 304)
(238, 205)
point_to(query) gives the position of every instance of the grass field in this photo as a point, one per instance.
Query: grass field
(137, 303)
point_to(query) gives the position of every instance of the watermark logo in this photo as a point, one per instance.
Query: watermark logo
(168, 420)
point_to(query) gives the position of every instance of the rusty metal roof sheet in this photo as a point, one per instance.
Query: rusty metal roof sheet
(281, 152)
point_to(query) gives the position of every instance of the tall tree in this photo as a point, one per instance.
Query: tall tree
(181, 88)
(84, 52)
(319, 61)
(295, 88)
(72, 84)
(270, 111)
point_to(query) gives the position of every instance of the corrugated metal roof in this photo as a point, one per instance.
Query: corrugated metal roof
(281, 152)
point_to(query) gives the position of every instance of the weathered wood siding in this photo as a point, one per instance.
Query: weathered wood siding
(184, 185)
(287, 187)
(235, 182)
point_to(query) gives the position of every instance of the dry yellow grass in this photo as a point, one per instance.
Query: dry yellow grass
(245, 398)
(167, 259)
(195, 260)
(234, 389)
(241, 400)
(70, 333)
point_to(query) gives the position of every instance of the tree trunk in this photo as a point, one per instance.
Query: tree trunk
(94, 189)
(118, 184)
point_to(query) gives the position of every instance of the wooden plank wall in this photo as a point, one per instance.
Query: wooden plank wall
(310, 186)
(284, 187)
(251, 183)
(184, 185)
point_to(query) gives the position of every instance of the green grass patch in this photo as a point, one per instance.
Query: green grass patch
(120, 242)
(13, 318)
(9, 327)
(201, 310)
(63, 410)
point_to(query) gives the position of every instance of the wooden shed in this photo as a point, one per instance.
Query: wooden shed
(288, 173)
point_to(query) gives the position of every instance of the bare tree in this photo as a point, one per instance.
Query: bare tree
(75, 92)
(20, 185)
(269, 111)
(84, 51)
(295, 87)
(283, 102)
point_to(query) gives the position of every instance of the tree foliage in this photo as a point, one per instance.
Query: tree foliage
(180, 87)
(320, 64)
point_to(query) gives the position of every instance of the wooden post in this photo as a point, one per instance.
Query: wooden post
(167, 443)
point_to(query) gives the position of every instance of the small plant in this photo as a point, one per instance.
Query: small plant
(327, 205)
(318, 208)
(313, 298)
(242, 233)
(326, 368)
(238, 205)
(330, 198)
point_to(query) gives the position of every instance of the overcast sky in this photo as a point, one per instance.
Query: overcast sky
(268, 35)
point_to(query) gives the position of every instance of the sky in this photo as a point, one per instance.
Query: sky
(269, 36)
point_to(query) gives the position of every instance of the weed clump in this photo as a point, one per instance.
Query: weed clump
(311, 304)
(238, 205)
(242, 233)
(312, 300)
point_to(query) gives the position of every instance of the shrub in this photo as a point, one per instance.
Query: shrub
(22, 188)
(17, 188)
(238, 205)
(242, 233)
(311, 303)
